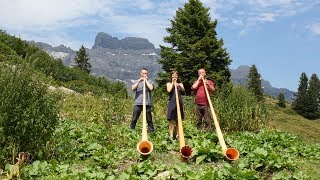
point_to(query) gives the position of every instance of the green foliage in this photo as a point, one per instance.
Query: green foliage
(254, 82)
(28, 115)
(82, 60)
(6, 50)
(313, 106)
(281, 100)
(307, 98)
(16, 44)
(194, 45)
(93, 141)
(301, 96)
(238, 110)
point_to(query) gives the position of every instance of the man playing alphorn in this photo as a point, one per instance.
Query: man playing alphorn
(202, 105)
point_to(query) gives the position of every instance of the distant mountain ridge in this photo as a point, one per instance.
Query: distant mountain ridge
(239, 77)
(122, 59)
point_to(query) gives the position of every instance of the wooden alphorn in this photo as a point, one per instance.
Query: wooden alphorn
(230, 153)
(144, 147)
(185, 151)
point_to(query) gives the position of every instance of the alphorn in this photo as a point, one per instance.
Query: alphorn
(185, 151)
(144, 147)
(230, 153)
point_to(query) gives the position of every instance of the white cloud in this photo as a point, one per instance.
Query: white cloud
(144, 4)
(59, 20)
(26, 14)
(266, 17)
(253, 13)
(315, 28)
(268, 3)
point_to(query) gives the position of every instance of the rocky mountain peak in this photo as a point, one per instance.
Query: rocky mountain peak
(104, 40)
(63, 48)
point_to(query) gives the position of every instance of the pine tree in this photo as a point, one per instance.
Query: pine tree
(281, 100)
(300, 101)
(82, 60)
(194, 45)
(316, 84)
(312, 105)
(254, 82)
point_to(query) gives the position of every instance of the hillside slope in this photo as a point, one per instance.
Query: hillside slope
(287, 120)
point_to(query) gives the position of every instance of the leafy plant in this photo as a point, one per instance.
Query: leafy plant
(238, 110)
(28, 114)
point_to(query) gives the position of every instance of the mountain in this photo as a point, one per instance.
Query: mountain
(115, 59)
(239, 77)
(59, 52)
(104, 40)
(122, 60)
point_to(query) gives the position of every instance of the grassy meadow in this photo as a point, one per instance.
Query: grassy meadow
(93, 141)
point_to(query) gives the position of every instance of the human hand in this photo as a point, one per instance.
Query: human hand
(174, 81)
(200, 77)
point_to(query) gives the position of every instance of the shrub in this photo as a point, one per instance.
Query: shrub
(28, 115)
(6, 50)
(239, 110)
(15, 43)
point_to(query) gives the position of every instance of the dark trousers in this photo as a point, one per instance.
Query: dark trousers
(135, 116)
(203, 111)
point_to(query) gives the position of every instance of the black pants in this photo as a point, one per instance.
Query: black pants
(203, 112)
(135, 116)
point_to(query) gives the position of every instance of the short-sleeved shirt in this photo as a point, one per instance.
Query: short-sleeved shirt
(138, 100)
(201, 97)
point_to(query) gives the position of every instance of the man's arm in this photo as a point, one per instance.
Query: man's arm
(135, 85)
(210, 86)
(196, 84)
(149, 85)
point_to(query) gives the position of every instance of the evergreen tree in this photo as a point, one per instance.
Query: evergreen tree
(194, 45)
(254, 82)
(82, 60)
(312, 104)
(281, 100)
(300, 101)
(316, 86)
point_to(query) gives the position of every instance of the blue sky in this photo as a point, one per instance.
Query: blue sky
(281, 37)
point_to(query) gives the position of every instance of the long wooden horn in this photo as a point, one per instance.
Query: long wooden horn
(230, 153)
(185, 151)
(144, 147)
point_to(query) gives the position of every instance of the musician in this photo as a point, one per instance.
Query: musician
(137, 87)
(172, 105)
(202, 108)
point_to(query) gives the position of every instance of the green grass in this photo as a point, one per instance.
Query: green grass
(287, 120)
(93, 141)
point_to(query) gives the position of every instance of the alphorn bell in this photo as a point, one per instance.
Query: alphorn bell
(144, 147)
(185, 151)
(230, 153)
